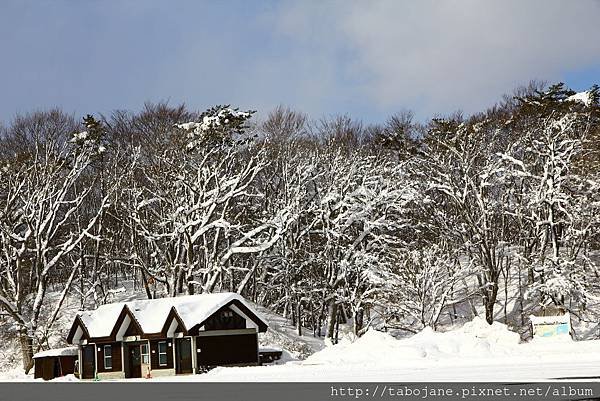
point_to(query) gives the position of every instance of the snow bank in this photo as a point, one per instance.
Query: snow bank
(67, 378)
(370, 348)
(475, 339)
(475, 351)
(16, 374)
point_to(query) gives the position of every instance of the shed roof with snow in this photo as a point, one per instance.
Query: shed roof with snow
(154, 317)
(68, 351)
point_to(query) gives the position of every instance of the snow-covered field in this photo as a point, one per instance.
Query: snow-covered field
(473, 352)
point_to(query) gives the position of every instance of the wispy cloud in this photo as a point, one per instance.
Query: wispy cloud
(366, 58)
(445, 55)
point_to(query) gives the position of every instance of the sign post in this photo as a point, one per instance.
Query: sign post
(558, 326)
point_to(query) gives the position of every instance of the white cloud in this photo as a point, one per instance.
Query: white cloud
(439, 56)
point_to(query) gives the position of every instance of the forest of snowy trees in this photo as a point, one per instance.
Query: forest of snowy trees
(400, 226)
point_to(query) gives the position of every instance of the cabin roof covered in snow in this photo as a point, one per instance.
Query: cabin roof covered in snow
(100, 322)
(68, 351)
(151, 314)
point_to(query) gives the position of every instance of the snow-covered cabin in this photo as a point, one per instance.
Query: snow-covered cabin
(55, 363)
(166, 336)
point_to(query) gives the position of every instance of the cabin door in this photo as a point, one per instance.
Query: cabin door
(183, 352)
(48, 368)
(135, 361)
(88, 366)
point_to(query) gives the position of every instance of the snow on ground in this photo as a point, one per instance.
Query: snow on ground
(471, 352)
(474, 352)
(283, 335)
(67, 378)
(15, 374)
(280, 335)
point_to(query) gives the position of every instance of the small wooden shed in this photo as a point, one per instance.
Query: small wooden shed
(55, 363)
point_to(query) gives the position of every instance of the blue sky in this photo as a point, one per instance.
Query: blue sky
(365, 58)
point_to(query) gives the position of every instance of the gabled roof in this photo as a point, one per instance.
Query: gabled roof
(173, 315)
(125, 312)
(77, 324)
(100, 322)
(151, 314)
(195, 309)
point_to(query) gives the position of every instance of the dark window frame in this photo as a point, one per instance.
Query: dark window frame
(107, 355)
(146, 354)
(163, 353)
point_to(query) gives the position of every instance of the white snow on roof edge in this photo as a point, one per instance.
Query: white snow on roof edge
(68, 351)
(151, 314)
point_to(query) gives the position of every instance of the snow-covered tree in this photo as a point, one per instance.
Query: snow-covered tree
(427, 281)
(328, 222)
(459, 172)
(559, 193)
(43, 194)
(363, 213)
(189, 208)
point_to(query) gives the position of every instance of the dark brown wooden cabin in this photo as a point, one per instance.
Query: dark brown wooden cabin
(198, 333)
(55, 363)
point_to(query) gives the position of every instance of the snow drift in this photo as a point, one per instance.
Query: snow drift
(475, 339)
(476, 351)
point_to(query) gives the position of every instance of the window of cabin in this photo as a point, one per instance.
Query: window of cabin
(225, 319)
(107, 357)
(162, 353)
(145, 354)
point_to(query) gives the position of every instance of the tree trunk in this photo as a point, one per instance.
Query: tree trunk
(313, 321)
(490, 301)
(146, 285)
(26, 342)
(358, 321)
(299, 317)
(521, 298)
(180, 277)
(81, 281)
(190, 285)
(337, 329)
(331, 319)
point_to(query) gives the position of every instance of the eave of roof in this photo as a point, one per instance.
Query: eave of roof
(145, 314)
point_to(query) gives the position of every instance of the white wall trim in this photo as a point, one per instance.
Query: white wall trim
(123, 358)
(78, 334)
(95, 359)
(172, 327)
(194, 352)
(123, 328)
(249, 322)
